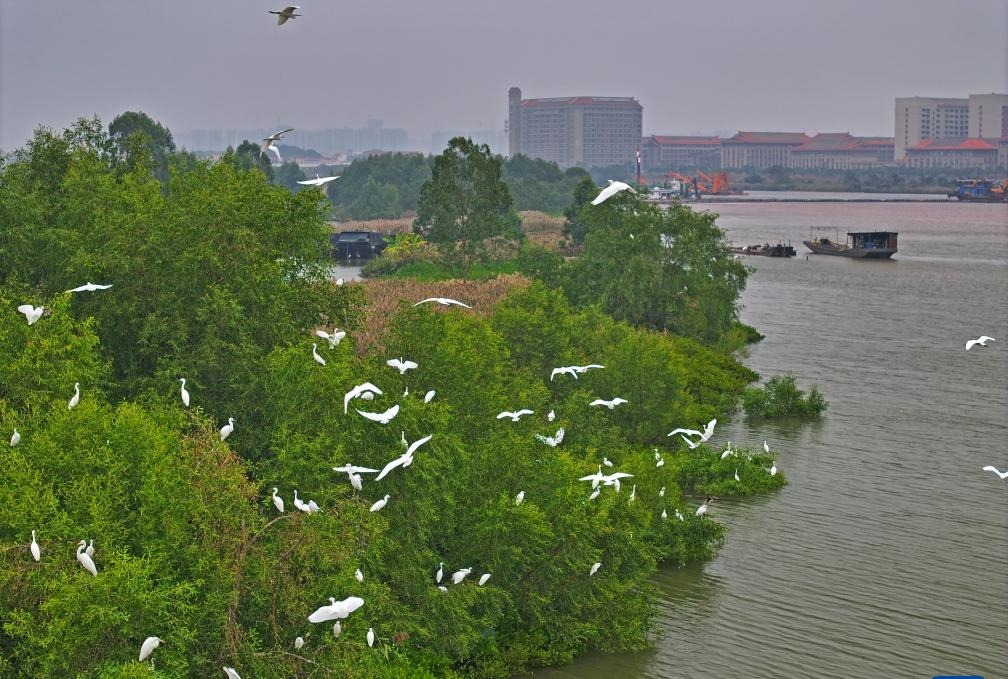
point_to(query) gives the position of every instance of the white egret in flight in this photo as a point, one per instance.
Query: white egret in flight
(401, 365)
(608, 404)
(32, 313)
(365, 391)
(404, 460)
(85, 560)
(982, 340)
(988, 468)
(445, 301)
(89, 287)
(318, 181)
(514, 415)
(334, 338)
(282, 16)
(382, 418)
(336, 609)
(610, 191)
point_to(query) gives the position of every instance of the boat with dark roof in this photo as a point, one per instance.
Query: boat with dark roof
(860, 245)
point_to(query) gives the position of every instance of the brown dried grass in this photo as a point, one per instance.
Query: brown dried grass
(385, 295)
(385, 226)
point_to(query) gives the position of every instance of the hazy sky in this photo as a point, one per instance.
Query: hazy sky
(426, 65)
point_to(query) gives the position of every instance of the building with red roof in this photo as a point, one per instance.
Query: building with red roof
(842, 151)
(957, 153)
(671, 151)
(585, 131)
(760, 149)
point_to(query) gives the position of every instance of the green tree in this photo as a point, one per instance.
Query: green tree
(575, 228)
(376, 201)
(288, 175)
(248, 156)
(465, 203)
(664, 269)
(407, 172)
(133, 130)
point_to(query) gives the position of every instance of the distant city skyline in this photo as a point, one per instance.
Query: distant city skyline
(444, 65)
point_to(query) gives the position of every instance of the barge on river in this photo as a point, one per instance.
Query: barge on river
(766, 250)
(860, 245)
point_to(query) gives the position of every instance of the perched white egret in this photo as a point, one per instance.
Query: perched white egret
(611, 190)
(440, 572)
(982, 340)
(736, 475)
(15, 438)
(660, 462)
(702, 509)
(664, 514)
(766, 447)
(380, 504)
(661, 493)
(75, 398)
(550, 416)
(607, 462)
(315, 355)
(405, 392)
(318, 181)
(988, 468)
(360, 391)
(633, 493)
(429, 396)
(483, 579)
(445, 301)
(90, 549)
(442, 588)
(184, 393)
(35, 551)
(594, 569)
(231, 673)
(282, 16)
(339, 281)
(337, 629)
(278, 501)
(358, 575)
(552, 441)
(514, 415)
(334, 338)
(404, 460)
(370, 636)
(520, 497)
(401, 365)
(355, 481)
(336, 609)
(460, 575)
(89, 287)
(381, 418)
(148, 646)
(32, 313)
(227, 429)
(773, 468)
(85, 560)
(608, 404)
(679, 515)
(298, 643)
(595, 494)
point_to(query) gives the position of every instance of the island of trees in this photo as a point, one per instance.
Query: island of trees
(222, 277)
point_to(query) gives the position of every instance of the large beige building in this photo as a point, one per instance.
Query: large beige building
(842, 151)
(988, 116)
(585, 131)
(920, 118)
(760, 149)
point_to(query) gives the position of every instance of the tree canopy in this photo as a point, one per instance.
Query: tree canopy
(465, 203)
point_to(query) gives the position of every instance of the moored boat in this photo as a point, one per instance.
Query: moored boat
(766, 250)
(860, 245)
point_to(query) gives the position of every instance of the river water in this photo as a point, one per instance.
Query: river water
(887, 555)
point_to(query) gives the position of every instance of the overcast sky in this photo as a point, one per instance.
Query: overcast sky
(426, 65)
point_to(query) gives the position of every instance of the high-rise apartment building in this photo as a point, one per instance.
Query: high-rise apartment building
(585, 131)
(988, 116)
(920, 118)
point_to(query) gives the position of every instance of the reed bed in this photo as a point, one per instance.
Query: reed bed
(386, 226)
(384, 297)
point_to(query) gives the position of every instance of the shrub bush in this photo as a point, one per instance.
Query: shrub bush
(781, 397)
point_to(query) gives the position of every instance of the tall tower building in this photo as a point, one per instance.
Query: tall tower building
(586, 131)
(920, 118)
(514, 121)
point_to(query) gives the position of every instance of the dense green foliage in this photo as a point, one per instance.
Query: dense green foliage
(575, 227)
(781, 397)
(465, 204)
(666, 269)
(219, 276)
(376, 201)
(134, 130)
(406, 172)
(536, 184)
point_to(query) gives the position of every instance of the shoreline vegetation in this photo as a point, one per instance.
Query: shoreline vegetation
(221, 277)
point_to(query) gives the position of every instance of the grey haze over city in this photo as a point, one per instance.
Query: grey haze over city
(446, 65)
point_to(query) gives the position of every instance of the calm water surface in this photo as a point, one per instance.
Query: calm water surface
(887, 555)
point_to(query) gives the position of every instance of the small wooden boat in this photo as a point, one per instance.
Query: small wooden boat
(860, 245)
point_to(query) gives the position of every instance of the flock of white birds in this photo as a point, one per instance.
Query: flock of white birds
(339, 610)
